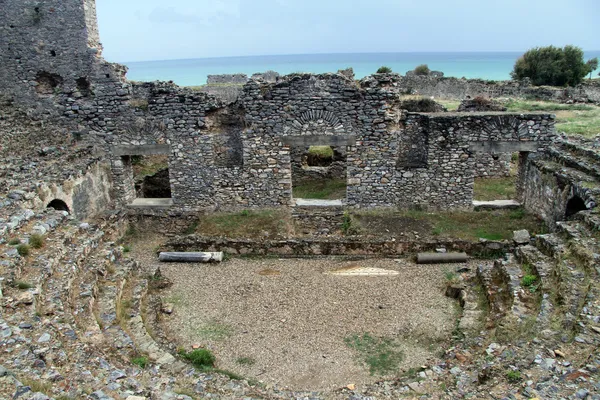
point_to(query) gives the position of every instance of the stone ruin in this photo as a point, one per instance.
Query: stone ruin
(71, 126)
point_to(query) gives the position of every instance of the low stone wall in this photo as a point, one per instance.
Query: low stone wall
(227, 78)
(328, 246)
(455, 88)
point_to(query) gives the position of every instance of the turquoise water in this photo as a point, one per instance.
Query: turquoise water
(496, 66)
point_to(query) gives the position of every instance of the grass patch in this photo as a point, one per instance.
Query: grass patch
(126, 248)
(36, 241)
(323, 152)
(254, 224)
(37, 386)
(581, 119)
(22, 285)
(513, 376)
(486, 189)
(148, 165)
(326, 189)
(24, 250)
(451, 105)
(246, 361)
(141, 362)
(491, 225)
(214, 330)
(380, 355)
(14, 242)
(451, 277)
(528, 280)
(200, 358)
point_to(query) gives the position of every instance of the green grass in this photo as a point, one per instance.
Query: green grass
(321, 151)
(246, 224)
(513, 376)
(22, 285)
(14, 242)
(547, 106)
(214, 330)
(494, 188)
(246, 361)
(491, 225)
(381, 355)
(141, 362)
(36, 241)
(200, 358)
(24, 250)
(148, 165)
(451, 105)
(329, 189)
(581, 119)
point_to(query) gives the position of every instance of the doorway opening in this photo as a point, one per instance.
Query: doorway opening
(319, 172)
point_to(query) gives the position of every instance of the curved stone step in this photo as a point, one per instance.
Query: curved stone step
(136, 325)
(540, 263)
(551, 245)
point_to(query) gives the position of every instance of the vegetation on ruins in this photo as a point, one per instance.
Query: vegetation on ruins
(552, 66)
(384, 70)
(24, 250)
(36, 241)
(422, 69)
(202, 359)
(22, 285)
(141, 362)
(321, 189)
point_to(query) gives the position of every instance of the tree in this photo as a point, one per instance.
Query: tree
(552, 66)
(592, 65)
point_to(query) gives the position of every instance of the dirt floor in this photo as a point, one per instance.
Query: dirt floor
(287, 322)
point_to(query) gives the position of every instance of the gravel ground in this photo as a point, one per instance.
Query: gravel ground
(288, 320)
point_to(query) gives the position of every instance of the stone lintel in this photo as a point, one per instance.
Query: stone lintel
(319, 140)
(503, 147)
(142, 150)
(151, 203)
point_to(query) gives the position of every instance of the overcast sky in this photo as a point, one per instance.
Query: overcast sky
(138, 30)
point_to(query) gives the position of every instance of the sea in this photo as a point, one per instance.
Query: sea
(193, 72)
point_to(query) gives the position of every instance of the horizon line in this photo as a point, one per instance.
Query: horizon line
(335, 53)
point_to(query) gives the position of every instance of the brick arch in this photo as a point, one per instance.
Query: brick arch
(317, 122)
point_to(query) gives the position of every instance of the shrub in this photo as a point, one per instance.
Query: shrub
(200, 358)
(141, 362)
(422, 69)
(513, 376)
(23, 250)
(528, 280)
(22, 285)
(36, 241)
(14, 242)
(552, 66)
(384, 70)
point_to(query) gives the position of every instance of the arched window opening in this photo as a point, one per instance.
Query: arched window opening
(574, 205)
(59, 205)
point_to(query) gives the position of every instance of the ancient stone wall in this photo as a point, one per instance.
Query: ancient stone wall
(239, 154)
(455, 88)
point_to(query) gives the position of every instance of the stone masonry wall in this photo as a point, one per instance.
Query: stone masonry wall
(238, 155)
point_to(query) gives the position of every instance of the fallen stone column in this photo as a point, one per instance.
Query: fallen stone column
(191, 256)
(439, 258)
